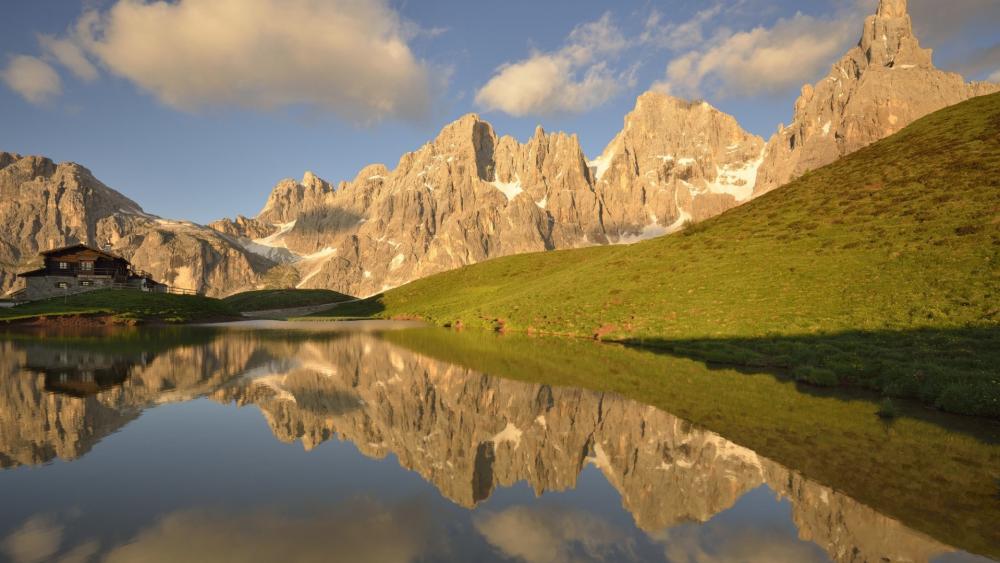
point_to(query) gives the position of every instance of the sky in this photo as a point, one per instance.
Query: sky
(196, 108)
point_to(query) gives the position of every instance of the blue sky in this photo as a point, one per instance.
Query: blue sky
(196, 108)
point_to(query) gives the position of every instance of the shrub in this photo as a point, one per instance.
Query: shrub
(981, 399)
(887, 409)
(816, 376)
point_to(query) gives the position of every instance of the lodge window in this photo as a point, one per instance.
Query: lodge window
(64, 265)
(62, 285)
(87, 283)
(87, 266)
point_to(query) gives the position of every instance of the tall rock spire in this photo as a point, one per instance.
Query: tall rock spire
(879, 87)
(892, 9)
(888, 38)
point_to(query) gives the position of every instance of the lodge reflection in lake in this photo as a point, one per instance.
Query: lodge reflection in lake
(467, 433)
(81, 372)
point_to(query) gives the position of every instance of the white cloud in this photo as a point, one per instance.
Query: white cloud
(35, 541)
(70, 55)
(716, 542)
(573, 79)
(350, 57)
(552, 534)
(677, 36)
(360, 531)
(32, 78)
(763, 60)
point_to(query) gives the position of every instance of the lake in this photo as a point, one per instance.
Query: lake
(373, 442)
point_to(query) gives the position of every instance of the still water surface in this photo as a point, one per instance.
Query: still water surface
(369, 445)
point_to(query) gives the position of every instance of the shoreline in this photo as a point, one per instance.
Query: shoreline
(101, 320)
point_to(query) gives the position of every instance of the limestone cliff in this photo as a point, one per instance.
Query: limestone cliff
(471, 195)
(879, 87)
(676, 161)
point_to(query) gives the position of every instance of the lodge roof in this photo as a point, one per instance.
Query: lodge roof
(79, 246)
(30, 273)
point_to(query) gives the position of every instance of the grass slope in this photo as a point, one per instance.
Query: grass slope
(270, 299)
(880, 270)
(126, 305)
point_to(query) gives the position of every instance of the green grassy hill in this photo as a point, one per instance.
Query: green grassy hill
(880, 270)
(270, 299)
(126, 305)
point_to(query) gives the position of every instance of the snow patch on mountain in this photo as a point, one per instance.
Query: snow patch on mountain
(509, 189)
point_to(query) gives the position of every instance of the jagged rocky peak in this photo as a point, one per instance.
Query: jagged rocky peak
(470, 195)
(674, 161)
(7, 158)
(371, 173)
(888, 38)
(246, 227)
(879, 87)
(81, 196)
(666, 131)
(892, 9)
(290, 196)
(548, 162)
(469, 140)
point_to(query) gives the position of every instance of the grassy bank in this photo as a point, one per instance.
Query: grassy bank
(271, 299)
(125, 306)
(834, 278)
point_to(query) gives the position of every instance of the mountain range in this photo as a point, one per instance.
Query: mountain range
(471, 195)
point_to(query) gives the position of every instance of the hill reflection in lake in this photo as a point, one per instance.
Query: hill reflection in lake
(524, 469)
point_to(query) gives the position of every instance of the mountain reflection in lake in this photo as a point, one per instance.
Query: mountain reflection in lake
(126, 447)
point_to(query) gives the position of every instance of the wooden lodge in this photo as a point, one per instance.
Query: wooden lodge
(79, 268)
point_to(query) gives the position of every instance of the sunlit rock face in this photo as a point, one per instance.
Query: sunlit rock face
(464, 432)
(465, 197)
(879, 87)
(44, 205)
(674, 162)
(471, 195)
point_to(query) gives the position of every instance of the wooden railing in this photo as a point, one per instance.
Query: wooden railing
(170, 290)
(181, 291)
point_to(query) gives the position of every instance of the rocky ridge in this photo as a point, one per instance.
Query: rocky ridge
(879, 87)
(45, 205)
(471, 195)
